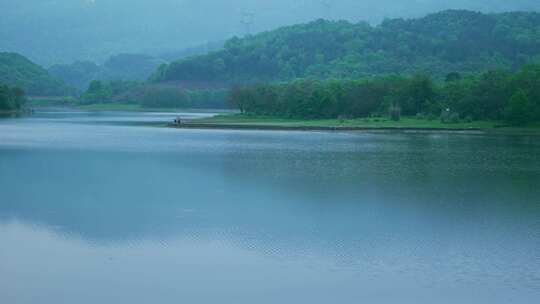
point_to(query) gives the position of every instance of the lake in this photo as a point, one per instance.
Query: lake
(104, 207)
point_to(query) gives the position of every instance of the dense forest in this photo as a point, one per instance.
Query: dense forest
(449, 41)
(493, 95)
(16, 70)
(201, 49)
(11, 98)
(154, 96)
(127, 67)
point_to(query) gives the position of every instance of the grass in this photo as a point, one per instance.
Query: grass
(405, 122)
(10, 112)
(367, 123)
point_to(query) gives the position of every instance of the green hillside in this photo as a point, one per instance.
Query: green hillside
(127, 67)
(11, 99)
(449, 41)
(18, 71)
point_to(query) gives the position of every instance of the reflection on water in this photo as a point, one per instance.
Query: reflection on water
(96, 208)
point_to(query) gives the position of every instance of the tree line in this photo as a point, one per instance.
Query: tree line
(494, 95)
(154, 96)
(11, 98)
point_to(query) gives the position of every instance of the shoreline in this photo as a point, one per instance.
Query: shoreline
(236, 122)
(14, 112)
(269, 127)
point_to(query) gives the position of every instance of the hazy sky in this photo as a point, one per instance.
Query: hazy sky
(52, 31)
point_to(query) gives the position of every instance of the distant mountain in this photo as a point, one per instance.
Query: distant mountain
(130, 67)
(78, 74)
(16, 70)
(192, 51)
(62, 31)
(449, 41)
(120, 67)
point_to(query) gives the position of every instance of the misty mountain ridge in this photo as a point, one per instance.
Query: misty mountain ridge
(63, 31)
(440, 43)
(129, 67)
(437, 44)
(18, 71)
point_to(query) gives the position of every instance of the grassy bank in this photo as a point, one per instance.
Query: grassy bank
(9, 113)
(406, 123)
(50, 101)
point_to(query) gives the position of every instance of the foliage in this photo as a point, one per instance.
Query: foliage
(520, 109)
(492, 95)
(127, 67)
(11, 98)
(79, 74)
(395, 112)
(16, 70)
(251, 121)
(177, 97)
(165, 97)
(438, 44)
(113, 91)
(153, 96)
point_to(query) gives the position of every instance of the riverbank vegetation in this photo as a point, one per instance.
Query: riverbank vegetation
(490, 96)
(406, 122)
(154, 96)
(127, 67)
(12, 99)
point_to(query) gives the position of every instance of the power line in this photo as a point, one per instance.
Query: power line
(247, 19)
(327, 5)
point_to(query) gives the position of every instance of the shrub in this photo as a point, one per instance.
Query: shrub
(395, 112)
(520, 109)
(448, 116)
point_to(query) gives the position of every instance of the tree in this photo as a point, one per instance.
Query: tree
(454, 76)
(4, 98)
(416, 95)
(11, 99)
(95, 87)
(490, 95)
(520, 109)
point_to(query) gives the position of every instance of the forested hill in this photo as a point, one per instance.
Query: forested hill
(18, 71)
(119, 67)
(449, 41)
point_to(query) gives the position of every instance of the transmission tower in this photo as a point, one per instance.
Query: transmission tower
(327, 6)
(248, 18)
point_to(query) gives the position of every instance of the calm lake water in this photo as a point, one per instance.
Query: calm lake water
(110, 208)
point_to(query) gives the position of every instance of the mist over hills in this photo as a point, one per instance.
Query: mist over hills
(64, 31)
(438, 44)
(17, 71)
(129, 67)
